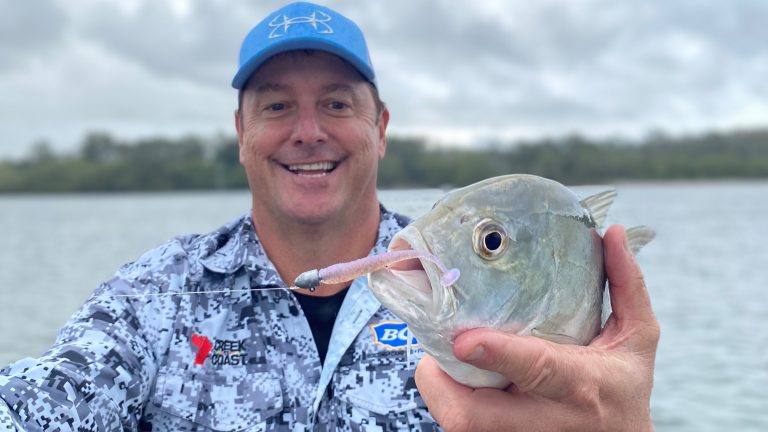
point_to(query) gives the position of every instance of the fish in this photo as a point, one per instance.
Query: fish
(519, 253)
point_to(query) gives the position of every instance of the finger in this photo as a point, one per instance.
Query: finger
(629, 296)
(440, 392)
(457, 407)
(532, 364)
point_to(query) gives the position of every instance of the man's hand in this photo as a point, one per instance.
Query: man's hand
(605, 386)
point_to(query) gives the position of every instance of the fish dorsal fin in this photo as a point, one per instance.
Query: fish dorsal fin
(599, 204)
(639, 236)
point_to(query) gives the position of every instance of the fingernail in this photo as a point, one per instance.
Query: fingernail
(476, 354)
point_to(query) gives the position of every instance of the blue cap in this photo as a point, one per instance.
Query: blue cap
(303, 26)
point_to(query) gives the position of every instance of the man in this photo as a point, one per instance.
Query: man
(201, 333)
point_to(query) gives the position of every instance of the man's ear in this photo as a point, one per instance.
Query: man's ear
(239, 129)
(383, 122)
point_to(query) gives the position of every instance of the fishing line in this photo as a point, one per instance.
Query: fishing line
(168, 294)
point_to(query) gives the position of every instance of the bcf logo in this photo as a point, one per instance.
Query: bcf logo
(392, 335)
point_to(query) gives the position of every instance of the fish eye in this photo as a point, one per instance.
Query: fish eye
(490, 239)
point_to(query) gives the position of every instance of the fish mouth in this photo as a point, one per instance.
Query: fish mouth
(417, 279)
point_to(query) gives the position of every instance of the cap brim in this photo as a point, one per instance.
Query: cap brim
(300, 43)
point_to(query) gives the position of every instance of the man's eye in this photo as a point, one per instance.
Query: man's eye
(336, 105)
(278, 106)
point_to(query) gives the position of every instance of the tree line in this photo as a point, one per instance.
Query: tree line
(104, 163)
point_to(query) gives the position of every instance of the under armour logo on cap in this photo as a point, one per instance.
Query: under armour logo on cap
(318, 20)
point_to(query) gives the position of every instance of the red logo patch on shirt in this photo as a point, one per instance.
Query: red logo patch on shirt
(204, 347)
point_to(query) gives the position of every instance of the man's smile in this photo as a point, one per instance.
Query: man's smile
(311, 169)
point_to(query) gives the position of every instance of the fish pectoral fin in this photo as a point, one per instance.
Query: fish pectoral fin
(639, 236)
(555, 337)
(599, 204)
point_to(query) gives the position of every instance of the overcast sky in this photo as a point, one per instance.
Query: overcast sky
(457, 71)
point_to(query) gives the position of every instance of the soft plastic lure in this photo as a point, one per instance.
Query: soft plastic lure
(344, 272)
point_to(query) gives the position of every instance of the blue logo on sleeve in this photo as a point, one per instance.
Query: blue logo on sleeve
(392, 335)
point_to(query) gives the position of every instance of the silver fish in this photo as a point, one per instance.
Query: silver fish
(530, 259)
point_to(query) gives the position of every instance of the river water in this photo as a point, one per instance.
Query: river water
(707, 272)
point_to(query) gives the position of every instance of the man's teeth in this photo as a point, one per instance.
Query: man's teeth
(316, 169)
(316, 166)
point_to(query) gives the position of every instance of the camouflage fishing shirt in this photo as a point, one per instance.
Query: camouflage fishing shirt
(240, 359)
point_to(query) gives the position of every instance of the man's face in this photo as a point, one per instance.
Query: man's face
(310, 139)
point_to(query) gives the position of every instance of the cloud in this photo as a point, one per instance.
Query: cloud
(589, 66)
(28, 30)
(446, 69)
(199, 44)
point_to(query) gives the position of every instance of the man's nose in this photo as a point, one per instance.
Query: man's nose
(308, 128)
